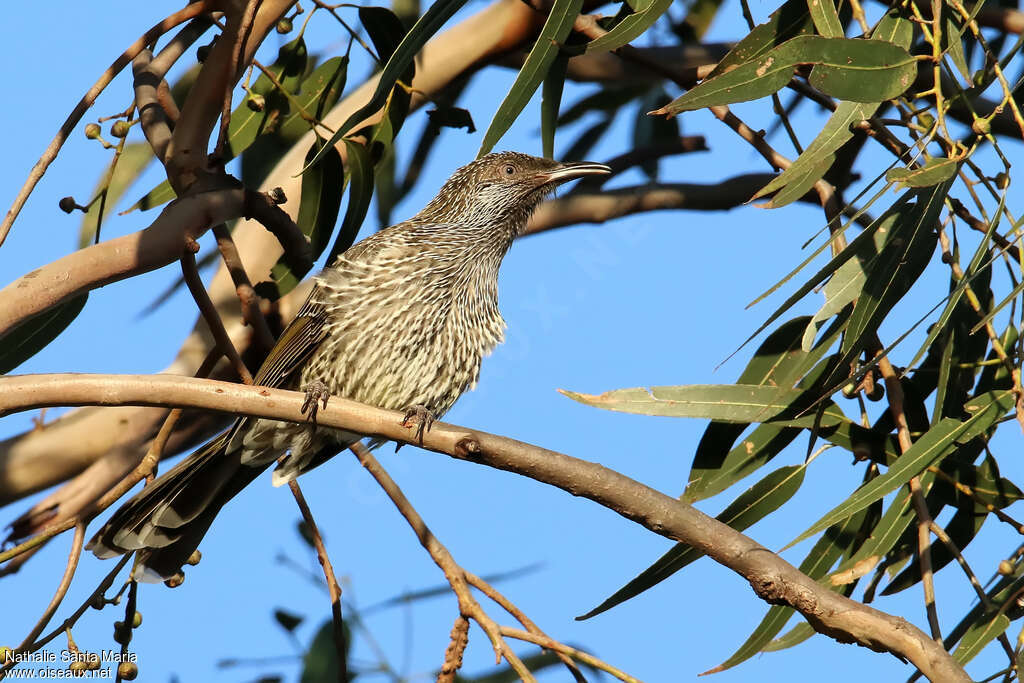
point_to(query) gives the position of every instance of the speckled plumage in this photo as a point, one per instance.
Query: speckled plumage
(402, 319)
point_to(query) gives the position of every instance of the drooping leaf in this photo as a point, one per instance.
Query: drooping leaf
(320, 663)
(846, 68)
(819, 155)
(645, 13)
(319, 203)
(535, 68)
(890, 275)
(550, 101)
(760, 500)
(386, 31)
(826, 18)
(430, 23)
(979, 635)
(33, 335)
(931, 447)
(360, 192)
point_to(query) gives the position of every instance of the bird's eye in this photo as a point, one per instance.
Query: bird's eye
(510, 169)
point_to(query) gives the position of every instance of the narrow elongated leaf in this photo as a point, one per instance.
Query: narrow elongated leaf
(848, 69)
(979, 635)
(890, 275)
(932, 173)
(33, 335)
(841, 290)
(386, 32)
(788, 21)
(319, 202)
(826, 18)
(760, 500)
(725, 402)
(535, 68)
(820, 154)
(425, 27)
(550, 100)
(646, 13)
(360, 192)
(935, 444)
(133, 160)
(794, 637)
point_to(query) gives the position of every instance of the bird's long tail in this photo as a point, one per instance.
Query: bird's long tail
(166, 520)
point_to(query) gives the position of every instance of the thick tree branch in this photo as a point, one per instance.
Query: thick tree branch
(119, 258)
(771, 577)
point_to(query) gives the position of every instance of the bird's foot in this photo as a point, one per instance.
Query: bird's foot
(315, 391)
(421, 417)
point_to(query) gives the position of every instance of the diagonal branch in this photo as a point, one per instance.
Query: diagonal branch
(772, 578)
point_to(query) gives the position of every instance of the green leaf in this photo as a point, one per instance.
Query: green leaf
(819, 156)
(826, 18)
(894, 28)
(725, 402)
(319, 203)
(633, 26)
(790, 20)
(360, 192)
(425, 27)
(556, 28)
(890, 275)
(33, 335)
(932, 173)
(320, 663)
(848, 69)
(932, 446)
(796, 635)
(979, 635)
(760, 500)
(952, 45)
(841, 290)
(550, 100)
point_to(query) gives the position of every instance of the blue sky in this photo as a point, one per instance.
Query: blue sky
(650, 300)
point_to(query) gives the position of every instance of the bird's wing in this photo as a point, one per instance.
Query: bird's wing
(303, 334)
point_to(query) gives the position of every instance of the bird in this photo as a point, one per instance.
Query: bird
(401, 320)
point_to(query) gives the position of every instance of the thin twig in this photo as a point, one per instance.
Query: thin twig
(251, 313)
(62, 589)
(333, 588)
(209, 312)
(236, 52)
(468, 606)
(188, 12)
(560, 648)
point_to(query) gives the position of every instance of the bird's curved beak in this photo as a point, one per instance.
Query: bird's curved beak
(572, 170)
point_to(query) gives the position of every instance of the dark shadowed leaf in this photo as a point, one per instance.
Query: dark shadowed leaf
(287, 620)
(31, 336)
(386, 32)
(360, 192)
(320, 663)
(322, 187)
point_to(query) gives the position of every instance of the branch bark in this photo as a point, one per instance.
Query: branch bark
(772, 578)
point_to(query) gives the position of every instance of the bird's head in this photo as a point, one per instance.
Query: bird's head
(502, 188)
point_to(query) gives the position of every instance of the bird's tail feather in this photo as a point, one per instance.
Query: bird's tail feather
(166, 521)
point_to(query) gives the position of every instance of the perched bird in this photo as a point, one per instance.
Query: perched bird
(401, 320)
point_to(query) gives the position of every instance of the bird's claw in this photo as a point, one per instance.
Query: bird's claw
(421, 417)
(315, 391)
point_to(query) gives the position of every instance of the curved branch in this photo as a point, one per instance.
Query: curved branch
(119, 258)
(772, 578)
